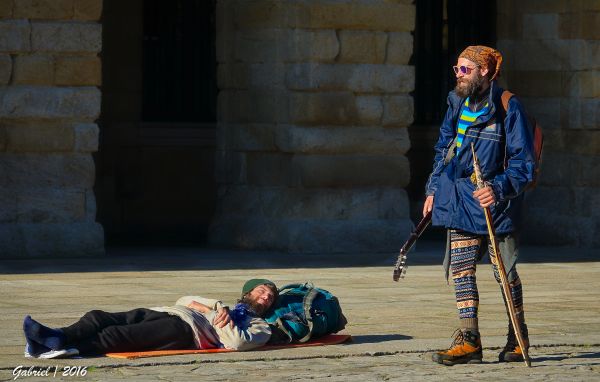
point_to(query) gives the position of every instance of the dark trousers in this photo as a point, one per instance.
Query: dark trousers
(99, 332)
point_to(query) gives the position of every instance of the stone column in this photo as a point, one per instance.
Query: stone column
(552, 56)
(313, 116)
(49, 101)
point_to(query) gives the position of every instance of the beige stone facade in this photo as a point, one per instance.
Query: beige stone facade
(49, 100)
(314, 107)
(313, 113)
(552, 51)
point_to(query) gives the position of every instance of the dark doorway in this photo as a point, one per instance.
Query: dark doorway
(443, 29)
(155, 179)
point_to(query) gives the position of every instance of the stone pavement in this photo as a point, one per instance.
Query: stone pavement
(395, 326)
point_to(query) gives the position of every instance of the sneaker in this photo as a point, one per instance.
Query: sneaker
(466, 348)
(512, 352)
(62, 353)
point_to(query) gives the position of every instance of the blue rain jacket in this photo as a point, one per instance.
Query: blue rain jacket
(504, 146)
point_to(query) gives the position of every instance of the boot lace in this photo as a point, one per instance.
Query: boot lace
(459, 338)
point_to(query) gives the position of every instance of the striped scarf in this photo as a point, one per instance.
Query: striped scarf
(466, 119)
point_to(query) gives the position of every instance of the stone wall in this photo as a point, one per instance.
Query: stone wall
(552, 51)
(49, 99)
(313, 116)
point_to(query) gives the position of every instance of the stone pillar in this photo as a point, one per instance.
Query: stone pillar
(49, 100)
(313, 116)
(552, 56)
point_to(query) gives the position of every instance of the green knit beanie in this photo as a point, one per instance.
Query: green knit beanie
(251, 284)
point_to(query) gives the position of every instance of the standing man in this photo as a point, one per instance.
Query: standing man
(193, 323)
(504, 144)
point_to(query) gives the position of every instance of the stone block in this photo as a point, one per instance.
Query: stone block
(361, 15)
(365, 78)
(90, 206)
(251, 76)
(3, 142)
(6, 9)
(48, 170)
(230, 167)
(18, 102)
(399, 48)
(78, 71)
(341, 108)
(398, 110)
(5, 69)
(586, 201)
(276, 45)
(35, 69)
(310, 236)
(354, 236)
(11, 241)
(529, 55)
(39, 138)
(342, 140)
(225, 30)
(232, 76)
(260, 106)
(509, 27)
(547, 83)
(247, 137)
(8, 205)
(580, 113)
(544, 198)
(43, 9)
(580, 25)
(268, 169)
(350, 170)
(584, 54)
(540, 26)
(14, 36)
(370, 110)
(299, 203)
(584, 142)
(86, 137)
(542, 6)
(584, 84)
(362, 47)
(563, 227)
(50, 205)
(87, 10)
(52, 239)
(546, 111)
(555, 170)
(66, 37)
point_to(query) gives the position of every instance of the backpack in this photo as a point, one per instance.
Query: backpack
(302, 312)
(538, 139)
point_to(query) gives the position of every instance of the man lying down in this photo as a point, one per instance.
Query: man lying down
(192, 323)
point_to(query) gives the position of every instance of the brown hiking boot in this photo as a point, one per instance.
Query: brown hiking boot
(466, 348)
(512, 352)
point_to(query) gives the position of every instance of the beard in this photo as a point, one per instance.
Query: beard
(469, 88)
(257, 308)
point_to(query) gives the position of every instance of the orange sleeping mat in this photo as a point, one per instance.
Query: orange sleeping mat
(331, 339)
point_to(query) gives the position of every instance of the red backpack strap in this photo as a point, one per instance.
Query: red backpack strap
(506, 96)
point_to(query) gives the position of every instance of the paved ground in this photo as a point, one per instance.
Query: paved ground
(395, 326)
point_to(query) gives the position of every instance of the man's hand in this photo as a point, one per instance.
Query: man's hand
(428, 205)
(222, 318)
(485, 196)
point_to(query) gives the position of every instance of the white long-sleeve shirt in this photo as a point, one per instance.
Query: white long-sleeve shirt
(253, 332)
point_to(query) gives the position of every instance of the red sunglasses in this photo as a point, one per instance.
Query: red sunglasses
(463, 69)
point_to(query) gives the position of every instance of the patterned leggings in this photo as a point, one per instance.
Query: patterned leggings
(464, 254)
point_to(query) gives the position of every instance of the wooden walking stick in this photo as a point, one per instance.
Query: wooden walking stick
(500, 263)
